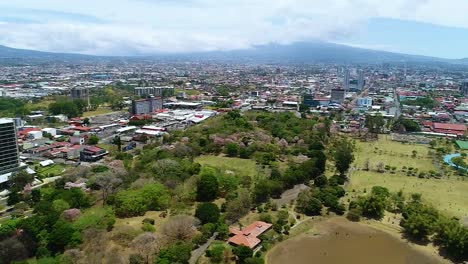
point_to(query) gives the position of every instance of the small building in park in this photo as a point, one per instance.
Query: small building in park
(248, 236)
(461, 144)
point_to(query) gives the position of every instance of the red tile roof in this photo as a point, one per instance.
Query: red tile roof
(248, 235)
(445, 126)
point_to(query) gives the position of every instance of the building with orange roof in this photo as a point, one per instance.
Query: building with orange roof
(249, 235)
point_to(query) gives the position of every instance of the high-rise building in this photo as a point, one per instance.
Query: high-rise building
(464, 87)
(346, 80)
(146, 106)
(9, 155)
(361, 81)
(337, 95)
(161, 91)
(80, 93)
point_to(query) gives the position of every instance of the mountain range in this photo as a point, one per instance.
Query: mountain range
(300, 52)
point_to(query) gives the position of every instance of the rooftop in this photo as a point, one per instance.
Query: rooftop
(248, 235)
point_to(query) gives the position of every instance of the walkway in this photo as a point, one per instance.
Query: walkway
(197, 253)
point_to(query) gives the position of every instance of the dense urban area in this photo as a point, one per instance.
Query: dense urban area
(200, 162)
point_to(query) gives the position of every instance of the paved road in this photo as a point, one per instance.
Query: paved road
(397, 104)
(197, 253)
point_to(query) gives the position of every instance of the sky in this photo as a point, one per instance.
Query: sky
(436, 28)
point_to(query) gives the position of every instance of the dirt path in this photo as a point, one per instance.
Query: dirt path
(290, 195)
(197, 253)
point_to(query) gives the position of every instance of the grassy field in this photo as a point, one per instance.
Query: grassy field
(393, 153)
(42, 104)
(99, 111)
(55, 170)
(242, 167)
(448, 194)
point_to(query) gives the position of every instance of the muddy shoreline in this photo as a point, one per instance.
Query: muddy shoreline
(336, 240)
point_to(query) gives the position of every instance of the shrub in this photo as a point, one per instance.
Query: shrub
(148, 221)
(354, 215)
(148, 227)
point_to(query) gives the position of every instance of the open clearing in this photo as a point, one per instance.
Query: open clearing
(99, 111)
(449, 195)
(393, 153)
(242, 167)
(356, 243)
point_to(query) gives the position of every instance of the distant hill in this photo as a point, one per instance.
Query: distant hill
(300, 52)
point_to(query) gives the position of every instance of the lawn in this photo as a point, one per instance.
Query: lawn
(242, 167)
(393, 153)
(189, 92)
(42, 104)
(99, 111)
(448, 195)
(54, 170)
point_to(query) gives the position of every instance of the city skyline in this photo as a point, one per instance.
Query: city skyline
(427, 27)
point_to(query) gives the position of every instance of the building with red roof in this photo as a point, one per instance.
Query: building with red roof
(453, 129)
(249, 235)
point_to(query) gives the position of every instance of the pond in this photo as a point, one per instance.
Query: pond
(339, 241)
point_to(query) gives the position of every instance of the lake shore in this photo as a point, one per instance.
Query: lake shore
(337, 240)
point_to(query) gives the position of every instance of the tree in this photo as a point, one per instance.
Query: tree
(309, 205)
(354, 214)
(20, 179)
(13, 197)
(118, 142)
(207, 213)
(343, 155)
(60, 205)
(61, 235)
(239, 206)
(459, 162)
(108, 184)
(380, 167)
(242, 253)
(11, 249)
(419, 221)
(453, 238)
(375, 123)
(321, 181)
(380, 191)
(93, 140)
(207, 187)
(147, 245)
(366, 166)
(216, 253)
(176, 253)
(373, 206)
(232, 149)
(180, 228)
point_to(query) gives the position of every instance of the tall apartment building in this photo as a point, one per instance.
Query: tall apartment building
(161, 91)
(337, 95)
(346, 80)
(464, 87)
(82, 93)
(361, 81)
(146, 106)
(9, 155)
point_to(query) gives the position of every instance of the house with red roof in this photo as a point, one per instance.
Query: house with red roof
(452, 129)
(92, 153)
(249, 235)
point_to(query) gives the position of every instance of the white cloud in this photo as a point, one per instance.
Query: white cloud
(148, 26)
